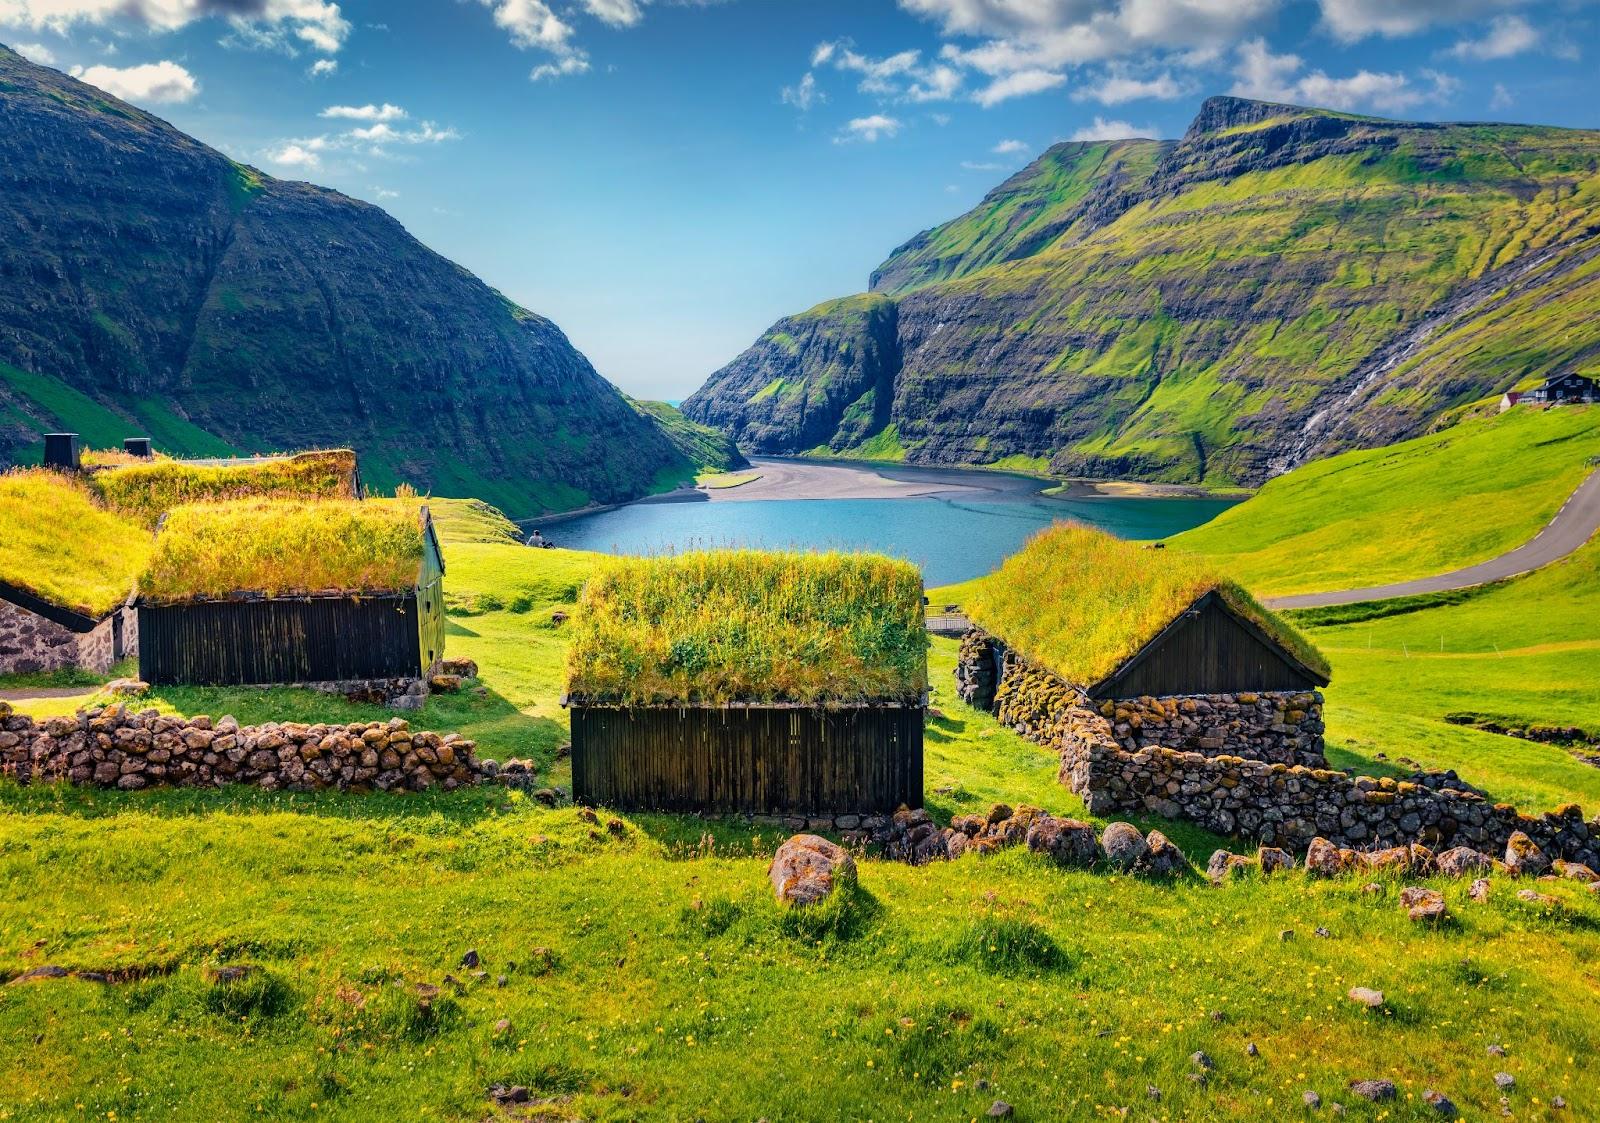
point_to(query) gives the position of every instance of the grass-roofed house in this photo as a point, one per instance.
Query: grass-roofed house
(1082, 632)
(67, 567)
(338, 594)
(750, 682)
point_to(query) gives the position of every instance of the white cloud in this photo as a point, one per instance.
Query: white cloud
(152, 83)
(1114, 89)
(1351, 20)
(384, 112)
(1507, 36)
(1261, 74)
(316, 23)
(981, 166)
(1010, 147)
(531, 23)
(1102, 129)
(803, 93)
(868, 129)
(1018, 84)
(1502, 98)
(323, 67)
(35, 52)
(617, 13)
(293, 155)
(561, 68)
(382, 133)
(902, 76)
(822, 53)
(384, 193)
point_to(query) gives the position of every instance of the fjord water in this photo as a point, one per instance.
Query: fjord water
(965, 529)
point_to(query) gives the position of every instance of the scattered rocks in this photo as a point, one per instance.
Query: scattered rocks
(1575, 871)
(999, 1110)
(50, 971)
(1273, 859)
(807, 868)
(1311, 1100)
(1201, 1060)
(1162, 858)
(1479, 890)
(1496, 1050)
(1324, 859)
(470, 958)
(513, 1094)
(1366, 996)
(461, 668)
(1543, 900)
(1225, 865)
(230, 973)
(1463, 861)
(126, 688)
(444, 684)
(1066, 842)
(1424, 906)
(1504, 1081)
(1375, 1090)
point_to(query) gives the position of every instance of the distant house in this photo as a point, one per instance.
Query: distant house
(739, 682)
(1563, 389)
(1080, 627)
(38, 635)
(338, 594)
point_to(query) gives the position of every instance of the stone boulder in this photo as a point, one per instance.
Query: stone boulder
(1273, 859)
(807, 868)
(1463, 861)
(1124, 845)
(1523, 856)
(1225, 865)
(1395, 859)
(1324, 859)
(1162, 857)
(1066, 842)
(1425, 906)
(1574, 871)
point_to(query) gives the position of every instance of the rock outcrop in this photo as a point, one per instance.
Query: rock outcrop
(1217, 308)
(218, 309)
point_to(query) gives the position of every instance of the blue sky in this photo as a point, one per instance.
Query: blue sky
(664, 178)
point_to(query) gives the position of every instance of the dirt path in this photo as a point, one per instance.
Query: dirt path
(1572, 526)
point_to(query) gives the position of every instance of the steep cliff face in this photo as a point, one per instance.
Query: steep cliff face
(1279, 284)
(151, 285)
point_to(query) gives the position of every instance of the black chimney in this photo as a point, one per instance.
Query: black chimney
(138, 446)
(61, 451)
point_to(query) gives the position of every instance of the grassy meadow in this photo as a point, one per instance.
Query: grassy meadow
(648, 974)
(82, 556)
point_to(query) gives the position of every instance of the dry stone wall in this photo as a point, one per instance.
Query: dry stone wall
(30, 643)
(115, 747)
(1273, 802)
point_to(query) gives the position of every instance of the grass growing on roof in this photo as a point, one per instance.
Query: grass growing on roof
(749, 626)
(151, 488)
(63, 547)
(1081, 602)
(284, 547)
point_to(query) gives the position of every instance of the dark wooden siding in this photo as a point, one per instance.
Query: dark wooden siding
(1207, 650)
(752, 760)
(254, 642)
(430, 596)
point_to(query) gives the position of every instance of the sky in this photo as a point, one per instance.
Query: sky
(666, 178)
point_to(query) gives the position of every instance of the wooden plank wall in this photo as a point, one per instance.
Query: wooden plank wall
(314, 639)
(749, 760)
(1207, 652)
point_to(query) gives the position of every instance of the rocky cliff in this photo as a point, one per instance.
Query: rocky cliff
(1279, 284)
(153, 286)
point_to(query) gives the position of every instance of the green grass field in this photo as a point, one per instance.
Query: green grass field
(650, 976)
(1429, 505)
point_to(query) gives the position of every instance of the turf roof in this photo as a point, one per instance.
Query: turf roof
(1082, 603)
(745, 626)
(64, 547)
(278, 547)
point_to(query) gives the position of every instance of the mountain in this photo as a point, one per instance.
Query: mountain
(153, 286)
(1280, 284)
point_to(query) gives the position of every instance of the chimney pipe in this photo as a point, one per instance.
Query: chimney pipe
(61, 451)
(138, 446)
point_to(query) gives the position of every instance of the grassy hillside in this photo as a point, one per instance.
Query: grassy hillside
(1425, 506)
(61, 545)
(703, 448)
(1067, 994)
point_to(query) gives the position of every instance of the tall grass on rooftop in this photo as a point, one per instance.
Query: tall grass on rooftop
(710, 628)
(60, 545)
(150, 488)
(278, 547)
(1081, 602)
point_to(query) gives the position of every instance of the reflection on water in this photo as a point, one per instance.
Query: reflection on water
(951, 538)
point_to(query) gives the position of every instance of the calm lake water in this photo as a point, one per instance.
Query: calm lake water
(961, 533)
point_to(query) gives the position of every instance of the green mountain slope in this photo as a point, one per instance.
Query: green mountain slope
(151, 285)
(1280, 284)
(703, 448)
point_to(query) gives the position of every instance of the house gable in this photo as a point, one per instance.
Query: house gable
(1209, 648)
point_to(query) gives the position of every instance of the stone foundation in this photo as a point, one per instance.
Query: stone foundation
(117, 748)
(1118, 766)
(31, 644)
(1278, 727)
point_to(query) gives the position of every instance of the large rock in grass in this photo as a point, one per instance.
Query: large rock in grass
(1423, 905)
(1226, 865)
(808, 868)
(1066, 842)
(1162, 858)
(1523, 856)
(1324, 859)
(1462, 861)
(1124, 845)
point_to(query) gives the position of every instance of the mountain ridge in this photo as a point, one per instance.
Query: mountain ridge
(155, 285)
(1180, 310)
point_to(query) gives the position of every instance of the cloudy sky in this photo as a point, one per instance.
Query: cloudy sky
(664, 178)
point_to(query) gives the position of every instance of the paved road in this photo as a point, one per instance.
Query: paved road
(1573, 525)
